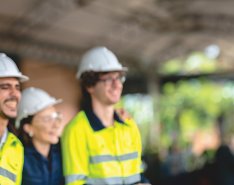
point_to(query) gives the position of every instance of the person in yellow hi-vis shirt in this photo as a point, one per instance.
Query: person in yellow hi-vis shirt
(99, 147)
(11, 149)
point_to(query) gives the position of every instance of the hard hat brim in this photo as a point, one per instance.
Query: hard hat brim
(22, 78)
(52, 103)
(123, 69)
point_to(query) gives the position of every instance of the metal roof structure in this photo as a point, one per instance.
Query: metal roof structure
(143, 33)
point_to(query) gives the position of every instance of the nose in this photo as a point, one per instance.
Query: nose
(56, 123)
(15, 92)
(58, 126)
(57, 120)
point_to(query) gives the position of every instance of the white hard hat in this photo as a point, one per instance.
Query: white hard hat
(8, 68)
(99, 59)
(33, 100)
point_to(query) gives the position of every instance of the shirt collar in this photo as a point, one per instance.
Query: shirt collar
(4, 138)
(96, 123)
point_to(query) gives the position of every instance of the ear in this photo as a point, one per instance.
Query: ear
(27, 128)
(89, 89)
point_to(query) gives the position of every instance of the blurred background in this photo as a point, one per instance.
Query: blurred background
(180, 84)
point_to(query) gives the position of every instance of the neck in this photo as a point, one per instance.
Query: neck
(42, 148)
(3, 125)
(104, 113)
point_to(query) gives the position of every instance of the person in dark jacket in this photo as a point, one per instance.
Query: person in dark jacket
(224, 166)
(39, 129)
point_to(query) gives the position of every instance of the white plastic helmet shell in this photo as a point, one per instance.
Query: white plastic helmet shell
(8, 68)
(33, 100)
(99, 59)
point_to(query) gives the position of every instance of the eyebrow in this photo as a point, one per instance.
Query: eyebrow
(9, 85)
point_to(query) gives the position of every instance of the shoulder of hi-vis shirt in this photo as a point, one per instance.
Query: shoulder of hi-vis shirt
(11, 161)
(93, 154)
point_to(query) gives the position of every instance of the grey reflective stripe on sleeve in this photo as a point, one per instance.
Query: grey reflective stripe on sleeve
(132, 179)
(114, 180)
(72, 178)
(7, 174)
(109, 158)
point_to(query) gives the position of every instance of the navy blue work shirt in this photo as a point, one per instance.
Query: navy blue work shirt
(39, 170)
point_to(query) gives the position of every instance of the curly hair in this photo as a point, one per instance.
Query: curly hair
(88, 79)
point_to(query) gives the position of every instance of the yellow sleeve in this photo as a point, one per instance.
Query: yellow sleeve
(137, 136)
(75, 153)
(20, 170)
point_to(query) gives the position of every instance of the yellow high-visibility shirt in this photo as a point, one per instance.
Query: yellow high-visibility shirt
(94, 154)
(11, 161)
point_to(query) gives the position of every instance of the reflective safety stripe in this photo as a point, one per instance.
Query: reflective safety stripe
(7, 174)
(72, 178)
(114, 180)
(108, 158)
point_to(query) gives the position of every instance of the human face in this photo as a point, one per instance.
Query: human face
(46, 126)
(9, 97)
(108, 89)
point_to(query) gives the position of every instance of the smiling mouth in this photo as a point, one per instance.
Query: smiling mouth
(53, 134)
(11, 104)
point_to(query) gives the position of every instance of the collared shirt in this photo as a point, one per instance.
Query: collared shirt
(96, 123)
(39, 170)
(3, 138)
(95, 154)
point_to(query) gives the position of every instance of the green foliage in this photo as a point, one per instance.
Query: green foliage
(198, 62)
(191, 105)
(186, 106)
(171, 67)
(195, 63)
(140, 107)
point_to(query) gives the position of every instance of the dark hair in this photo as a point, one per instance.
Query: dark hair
(88, 79)
(11, 126)
(22, 135)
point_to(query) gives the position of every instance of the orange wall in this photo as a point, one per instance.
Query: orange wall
(58, 80)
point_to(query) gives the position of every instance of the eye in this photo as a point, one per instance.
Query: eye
(109, 79)
(10, 87)
(18, 87)
(55, 116)
(4, 86)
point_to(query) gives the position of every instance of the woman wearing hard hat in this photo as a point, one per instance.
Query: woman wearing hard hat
(39, 129)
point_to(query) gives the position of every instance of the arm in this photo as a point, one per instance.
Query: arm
(75, 154)
(144, 180)
(124, 115)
